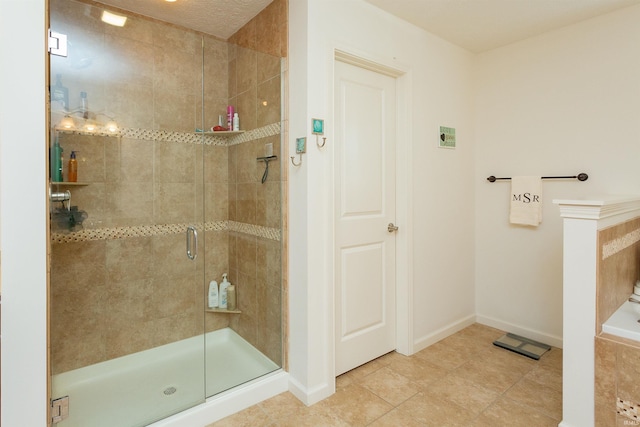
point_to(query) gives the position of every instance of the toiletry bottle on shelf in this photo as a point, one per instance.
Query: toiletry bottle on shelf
(236, 122)
(230, 111)
(224, 291)
(55, 161)
(60, 94)
(73, 168)
(231, 297)
(213, 294)
(84, 106)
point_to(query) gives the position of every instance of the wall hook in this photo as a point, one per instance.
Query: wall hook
(324, 141)
(294, 162)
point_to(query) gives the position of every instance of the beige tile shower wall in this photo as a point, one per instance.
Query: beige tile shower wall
(146, 73)
(111, 297)
(618, 267)
(255, 263)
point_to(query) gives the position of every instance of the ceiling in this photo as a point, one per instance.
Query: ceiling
(221, 18)
(481, 25)
(476, 25)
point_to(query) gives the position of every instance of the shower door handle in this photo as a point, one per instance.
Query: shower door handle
(192, 242)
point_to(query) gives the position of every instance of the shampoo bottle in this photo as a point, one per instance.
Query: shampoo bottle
(72, 175)
(224, 291)
(231, 297)
(213, 294)
(56, 161)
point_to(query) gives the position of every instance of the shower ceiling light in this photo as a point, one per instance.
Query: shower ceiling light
(113, 19)
(67, 123)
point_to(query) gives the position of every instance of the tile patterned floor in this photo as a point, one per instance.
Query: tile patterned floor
(463, 380)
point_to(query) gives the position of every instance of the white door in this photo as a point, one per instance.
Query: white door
(365, 107)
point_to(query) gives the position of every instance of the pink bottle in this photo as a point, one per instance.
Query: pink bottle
(230, 112)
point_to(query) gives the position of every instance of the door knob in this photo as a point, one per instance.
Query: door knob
(391, 228)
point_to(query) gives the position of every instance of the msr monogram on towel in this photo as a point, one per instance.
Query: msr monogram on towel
(526, 198)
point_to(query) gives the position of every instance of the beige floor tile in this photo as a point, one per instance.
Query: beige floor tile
(546, 375)
(495, 369)
(396, 418)
(432, 411)
(444, 355)
(250, 417)
(537, 396)
(489, 374)
(389, 385)
(463, 380)
(312, 417)
(507, 413)
(418, 370)
(355, 405)
(281, 406)
(366, 369)
(552, 358)
(463, 392)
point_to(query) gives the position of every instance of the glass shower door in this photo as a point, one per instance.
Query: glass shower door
(127, 226)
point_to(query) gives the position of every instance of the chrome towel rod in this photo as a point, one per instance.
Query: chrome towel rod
(579, 177)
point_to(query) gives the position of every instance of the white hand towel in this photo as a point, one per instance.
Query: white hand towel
(526, 200)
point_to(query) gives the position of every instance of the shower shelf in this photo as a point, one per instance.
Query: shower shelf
(70, 184)
(221, 132)
(222, 310)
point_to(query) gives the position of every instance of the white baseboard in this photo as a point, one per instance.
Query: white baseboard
(310, 396)
(425, 341)
(548, 339)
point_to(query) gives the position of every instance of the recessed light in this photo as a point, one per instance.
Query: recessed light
(113, 19)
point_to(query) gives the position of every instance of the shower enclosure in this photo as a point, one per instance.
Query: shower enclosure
(161, 206)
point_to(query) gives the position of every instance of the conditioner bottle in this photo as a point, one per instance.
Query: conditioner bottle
(224, 291)
(213, 294)
(231, 297)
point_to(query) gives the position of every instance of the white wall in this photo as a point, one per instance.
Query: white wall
(562, 103)
(439, 182)
(23, 213)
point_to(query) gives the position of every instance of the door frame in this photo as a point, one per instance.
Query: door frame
(404, 188)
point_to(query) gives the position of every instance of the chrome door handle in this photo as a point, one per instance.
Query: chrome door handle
(192, 242)
(392, 228)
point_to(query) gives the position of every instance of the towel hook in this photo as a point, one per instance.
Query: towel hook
(294, 162)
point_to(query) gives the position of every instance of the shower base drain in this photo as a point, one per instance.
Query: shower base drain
(169, 391)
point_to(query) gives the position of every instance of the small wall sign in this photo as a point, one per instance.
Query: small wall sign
(447, 137)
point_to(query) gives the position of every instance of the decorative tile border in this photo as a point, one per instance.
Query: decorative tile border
(251, 135)
(617, 245)
(115, 233)
(628, 409)
(196, 138)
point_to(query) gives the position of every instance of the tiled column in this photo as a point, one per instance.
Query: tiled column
(582, 220)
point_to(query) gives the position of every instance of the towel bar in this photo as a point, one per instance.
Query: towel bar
(579, 177)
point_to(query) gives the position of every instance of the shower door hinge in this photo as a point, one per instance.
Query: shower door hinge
(57, 44)
(59, 409)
